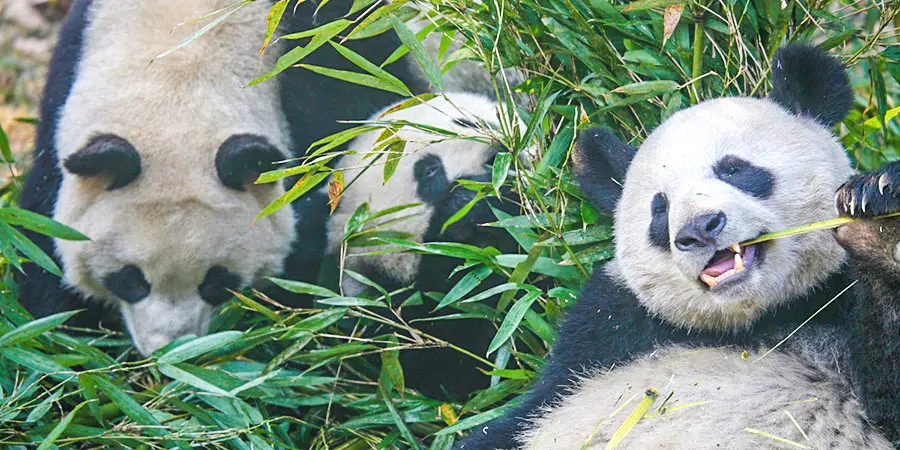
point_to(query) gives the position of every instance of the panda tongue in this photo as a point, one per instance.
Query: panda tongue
(723, 262)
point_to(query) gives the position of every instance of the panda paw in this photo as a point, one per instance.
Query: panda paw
(870, 194)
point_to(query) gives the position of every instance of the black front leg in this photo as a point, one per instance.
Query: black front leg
(873, 247)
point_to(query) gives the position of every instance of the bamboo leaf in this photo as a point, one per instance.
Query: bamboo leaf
(512, 320)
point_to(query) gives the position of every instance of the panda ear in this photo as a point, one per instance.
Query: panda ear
(601, 160)
(242, 157)
(107, 155)
(807, 81)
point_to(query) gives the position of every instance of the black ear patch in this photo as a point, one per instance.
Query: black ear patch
(242, 157)
(108, 155)
(809, 82)
(214, 287)
(601, 160)
(128, 284)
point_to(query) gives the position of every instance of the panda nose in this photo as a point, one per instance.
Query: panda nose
(700, 232)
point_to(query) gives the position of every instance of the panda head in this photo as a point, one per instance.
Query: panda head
(158, 162)
(426, 174)
(723, 172)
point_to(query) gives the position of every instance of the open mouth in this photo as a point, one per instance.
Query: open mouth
(729, 264)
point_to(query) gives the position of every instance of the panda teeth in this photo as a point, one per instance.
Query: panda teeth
(708, 279)
(738, 263)
(736, 247)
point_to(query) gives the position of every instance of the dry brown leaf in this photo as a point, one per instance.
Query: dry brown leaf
(671, 16)
(335, 190)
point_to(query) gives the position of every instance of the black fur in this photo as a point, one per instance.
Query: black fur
(41, 292)
(242, 157)
(875, 338)
(610, 314)
(312, 103)
(807, 81)
(109, 156)
(128, 284)
(216, 284)
(601, 160)
(659, 222)
(745, 176)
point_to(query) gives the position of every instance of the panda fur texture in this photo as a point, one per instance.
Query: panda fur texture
(715, 174)
(427, 174)
(155, 161)
(873, 248)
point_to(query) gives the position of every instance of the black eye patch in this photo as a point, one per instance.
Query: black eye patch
(659, 222)
(743, 175)
(431, 178)
(215, 285)
(128, 284)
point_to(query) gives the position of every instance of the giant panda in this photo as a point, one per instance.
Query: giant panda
(153, 158)
(427, 174)
(682, 320)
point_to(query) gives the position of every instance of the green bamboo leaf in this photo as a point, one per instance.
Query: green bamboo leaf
(31, 251)
(303, 185)
(358, 78)
(356, 221)
(299, 287)
(391, 368)
(880, 91)
(500, 170)
(5, 151)
(465, 285)
(321, 320)
(494, 394)
(429, 67)
(129, 406)
(478, 419)
(190, 379)
(199, 346)
(42, 408)
(223, 14)
(38, 223)
(643, 5)
(51, 437)
(378, 21)
(37, 362)
(458, 215)
(352, 301)
(302, 340)
(376, 71)
(320, 35)
(272, 21)
(394, 151)
(398, 421)
(35, 328)
(512, 320)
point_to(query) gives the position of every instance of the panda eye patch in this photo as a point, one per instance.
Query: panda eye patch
(659, 222)
(431, 178)
(216, 283)
(128, 284)
(743, 175)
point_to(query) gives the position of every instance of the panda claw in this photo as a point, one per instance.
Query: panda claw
(852, 206)
(883, 182)
(862, 206)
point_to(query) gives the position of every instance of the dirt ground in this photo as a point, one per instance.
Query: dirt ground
(28, 30)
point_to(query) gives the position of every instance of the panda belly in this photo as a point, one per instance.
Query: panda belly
(714, 396)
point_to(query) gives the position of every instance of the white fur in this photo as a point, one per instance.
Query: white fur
(176, 220)
(739, 394)
(459, 157)
(808, 165)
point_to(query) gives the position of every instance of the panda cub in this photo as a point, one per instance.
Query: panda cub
(154, 158)
(427, 174)
(684, 310)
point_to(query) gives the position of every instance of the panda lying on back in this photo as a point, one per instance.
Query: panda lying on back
(681, 301)
(428, 174)
(155, 161)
